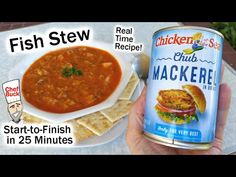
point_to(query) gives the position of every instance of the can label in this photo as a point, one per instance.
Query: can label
(183, 85)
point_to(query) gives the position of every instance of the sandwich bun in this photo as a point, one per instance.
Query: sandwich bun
(197, 95)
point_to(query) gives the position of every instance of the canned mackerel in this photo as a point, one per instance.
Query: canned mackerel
(183, 87)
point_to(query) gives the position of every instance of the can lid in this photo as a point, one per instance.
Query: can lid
(190, 27)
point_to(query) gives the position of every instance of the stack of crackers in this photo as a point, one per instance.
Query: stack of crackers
(98, 123)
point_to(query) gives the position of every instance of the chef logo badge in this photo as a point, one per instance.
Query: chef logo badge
(12, 94)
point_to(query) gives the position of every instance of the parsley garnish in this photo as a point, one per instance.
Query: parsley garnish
(68, 72)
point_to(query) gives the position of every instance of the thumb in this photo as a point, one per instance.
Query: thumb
(135, 122)
(223, 109)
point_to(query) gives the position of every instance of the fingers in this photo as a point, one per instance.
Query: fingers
(223, 109)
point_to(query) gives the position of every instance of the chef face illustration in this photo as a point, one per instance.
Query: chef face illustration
(11, 91)
(15, 111)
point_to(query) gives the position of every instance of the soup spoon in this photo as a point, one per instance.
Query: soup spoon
(140, 64)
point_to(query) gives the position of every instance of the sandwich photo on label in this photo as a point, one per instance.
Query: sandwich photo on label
(178, 106)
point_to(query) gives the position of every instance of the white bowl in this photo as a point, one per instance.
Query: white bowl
(124, 60)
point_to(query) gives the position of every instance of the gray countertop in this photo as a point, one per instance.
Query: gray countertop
(102, 32)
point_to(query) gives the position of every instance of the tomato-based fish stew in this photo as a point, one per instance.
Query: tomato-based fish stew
(71, 79)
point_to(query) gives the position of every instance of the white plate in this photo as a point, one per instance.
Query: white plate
(124, 60)
(115, 131)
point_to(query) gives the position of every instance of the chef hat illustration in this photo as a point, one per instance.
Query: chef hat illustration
(11, 90)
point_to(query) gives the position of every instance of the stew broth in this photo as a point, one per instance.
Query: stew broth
(71, 79)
